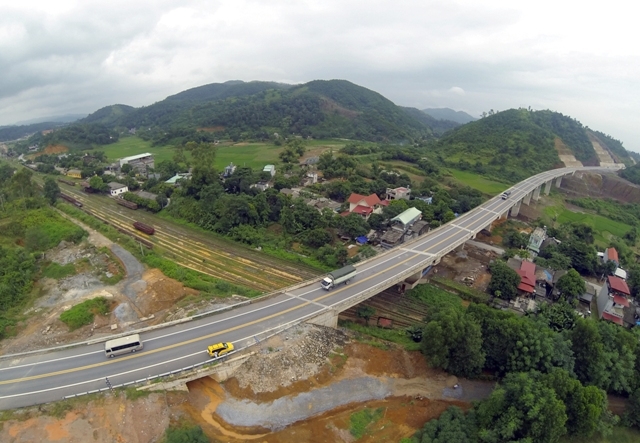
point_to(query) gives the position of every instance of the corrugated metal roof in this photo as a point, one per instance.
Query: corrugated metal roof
(407, 216)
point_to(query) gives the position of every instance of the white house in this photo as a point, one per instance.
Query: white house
(117, 188)
(271, 169)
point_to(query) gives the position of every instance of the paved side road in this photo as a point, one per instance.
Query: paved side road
(131, 284)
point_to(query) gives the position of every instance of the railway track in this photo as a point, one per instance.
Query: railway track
(214, 257)
(402, 310)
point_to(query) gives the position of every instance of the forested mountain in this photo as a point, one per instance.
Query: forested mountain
(517, 143)
(15, 132)
(109, 115)
(512, 144)
(334, 108)
(439, 127)
(459, 117)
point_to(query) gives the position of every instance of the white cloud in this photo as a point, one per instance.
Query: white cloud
(72, 56)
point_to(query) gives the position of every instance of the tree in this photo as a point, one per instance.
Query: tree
(97, 183)
(632, 411)
(558, 316)
(366, 312)
(586, 406)
(583, 256)
(515, 239)
(631, 236)
(453, 342)
(633, 280)
(162, 200)
(21, 185)
(288, 156)
(571, 285)
(503, 279)
(317, 238)
(51, 190)
(521, 409)
(353, 225)
(589, 353)
(453, 426)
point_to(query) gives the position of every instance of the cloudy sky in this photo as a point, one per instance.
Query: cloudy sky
(581, 59)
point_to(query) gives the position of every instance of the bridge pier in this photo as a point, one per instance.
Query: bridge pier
(515, 210)
(527, 199)
(536, 193)
(558, 181)
(547, 187)
(328, 318)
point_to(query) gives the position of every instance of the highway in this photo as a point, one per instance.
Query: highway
(40, 378)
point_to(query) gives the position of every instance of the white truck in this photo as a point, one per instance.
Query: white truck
(342, 275)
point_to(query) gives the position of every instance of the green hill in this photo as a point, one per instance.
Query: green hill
(517, 143)
(15, 132)
(320, 109)
(109, 115)
(459, 117)
(438, 126)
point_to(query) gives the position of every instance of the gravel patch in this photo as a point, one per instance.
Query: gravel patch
(284, 411)
(69, 290)
(125, 314)
(294, 355)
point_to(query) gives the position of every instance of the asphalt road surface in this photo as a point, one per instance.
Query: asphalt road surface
(40, 378)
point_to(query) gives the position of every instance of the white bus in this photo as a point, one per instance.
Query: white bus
(122, 345)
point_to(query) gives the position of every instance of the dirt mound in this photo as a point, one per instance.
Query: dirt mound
(161, 292)
(291, 362)
(105, 420)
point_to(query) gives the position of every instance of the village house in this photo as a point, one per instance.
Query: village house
(229, 170)
(536, 239)
(261, 185)
(176, 178)
(614, 302)
(401, 228)
(365, 205)
(611, 255)
(140, 162)
(74, 173)
(117, 188)
(400, 193)
(271, 169)
(527, 273)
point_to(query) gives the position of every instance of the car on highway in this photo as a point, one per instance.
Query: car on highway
(219, 349)
(505, 195)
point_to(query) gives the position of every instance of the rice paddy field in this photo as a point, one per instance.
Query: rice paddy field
(604, 228)
(478, 182)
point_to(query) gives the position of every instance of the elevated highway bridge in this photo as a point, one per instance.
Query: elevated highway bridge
(47, 376)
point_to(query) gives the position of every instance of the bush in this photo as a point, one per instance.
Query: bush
(360, 421)
(84, 313)
(57, 271)
(463, 291)
(192, 434)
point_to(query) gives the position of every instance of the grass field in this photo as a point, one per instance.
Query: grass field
(253, 155)
(602, 226)
(620, 435)
(128, 146)
(478, 182)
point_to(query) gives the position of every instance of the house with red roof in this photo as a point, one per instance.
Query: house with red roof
(611, 254)
(365, 205)
(527, 273)
(614, 301)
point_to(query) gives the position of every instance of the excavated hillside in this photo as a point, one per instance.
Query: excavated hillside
(601, 186)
